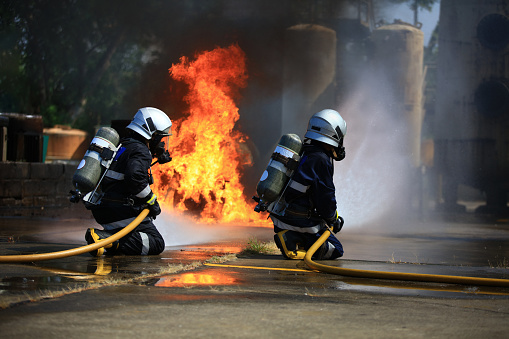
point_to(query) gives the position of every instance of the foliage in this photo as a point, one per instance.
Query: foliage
(72, 61)
(416, 5)
(86, 62)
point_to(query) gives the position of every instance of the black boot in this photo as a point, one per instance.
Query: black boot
(290, 245)
(94, 235)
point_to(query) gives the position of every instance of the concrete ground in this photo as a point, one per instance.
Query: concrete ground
(198, 290)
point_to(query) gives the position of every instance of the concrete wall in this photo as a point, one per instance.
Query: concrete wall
(38, 190)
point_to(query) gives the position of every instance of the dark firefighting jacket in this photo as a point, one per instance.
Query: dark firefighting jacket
(126, 185)
(311, 194)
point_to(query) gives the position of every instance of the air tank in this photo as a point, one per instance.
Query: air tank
(93, 165)
(280, 168)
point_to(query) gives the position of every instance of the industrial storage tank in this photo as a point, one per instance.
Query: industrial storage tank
(398, 60)
(308, 75)
(472, 101)
(66, 144)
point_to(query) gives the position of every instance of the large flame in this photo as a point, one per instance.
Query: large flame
(208, 153)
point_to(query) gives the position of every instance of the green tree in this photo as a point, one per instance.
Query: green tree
(73, 60)
(416, 5)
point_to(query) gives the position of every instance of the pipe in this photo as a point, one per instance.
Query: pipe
(448, 279)
(80, 250)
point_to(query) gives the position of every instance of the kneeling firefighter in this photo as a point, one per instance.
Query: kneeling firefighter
(126, 190)
(310, 196)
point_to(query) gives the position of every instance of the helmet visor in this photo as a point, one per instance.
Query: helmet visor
(159, 149)
(166, 132)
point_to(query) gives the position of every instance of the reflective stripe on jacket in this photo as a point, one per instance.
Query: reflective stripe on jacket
(128, 175)
(312, 192)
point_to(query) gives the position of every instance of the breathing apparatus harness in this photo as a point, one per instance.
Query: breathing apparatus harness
(286, 160)
(292, 164)
(284, 207)
(107, 156)
(95, 164)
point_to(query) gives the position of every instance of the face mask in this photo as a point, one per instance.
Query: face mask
(159, 150)
(339, 152)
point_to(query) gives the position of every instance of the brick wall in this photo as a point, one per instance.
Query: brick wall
(38, 189)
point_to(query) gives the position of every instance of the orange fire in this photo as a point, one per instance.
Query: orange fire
(205, 278)
(208, 153)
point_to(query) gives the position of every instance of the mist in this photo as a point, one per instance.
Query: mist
(372, 181)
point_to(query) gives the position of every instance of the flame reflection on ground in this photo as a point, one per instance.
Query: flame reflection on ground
(202, 278)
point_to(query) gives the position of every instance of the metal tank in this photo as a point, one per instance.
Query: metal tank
(398, 58)
(472, 101)
(308, 75)
(65, 144)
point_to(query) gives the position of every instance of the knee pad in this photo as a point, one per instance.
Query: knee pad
(327, 252)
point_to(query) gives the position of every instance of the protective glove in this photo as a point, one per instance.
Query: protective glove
(155, 210)
(336, 223)
(153, 205)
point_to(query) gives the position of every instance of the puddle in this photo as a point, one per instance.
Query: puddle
(23, 284)
(57, 277)
(191, 297)
(208, 277)
(416, 289)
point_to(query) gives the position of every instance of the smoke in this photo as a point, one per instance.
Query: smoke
(372, 181)
(181, 230)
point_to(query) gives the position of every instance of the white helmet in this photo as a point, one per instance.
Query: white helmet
(327, 126)
(149, 121)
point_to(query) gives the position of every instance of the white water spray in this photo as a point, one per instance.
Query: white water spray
(181, 230)
(177, 230)
(371, 181)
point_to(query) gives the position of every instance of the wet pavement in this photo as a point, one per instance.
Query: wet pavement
(201, 290)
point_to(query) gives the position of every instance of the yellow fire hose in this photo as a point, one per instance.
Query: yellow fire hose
(448, 279)
(307, 259)
(80, 250)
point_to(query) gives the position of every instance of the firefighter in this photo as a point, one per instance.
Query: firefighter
(311, 195)
(126, 187)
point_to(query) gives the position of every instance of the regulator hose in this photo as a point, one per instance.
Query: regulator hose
(79, 250)
(448, 279)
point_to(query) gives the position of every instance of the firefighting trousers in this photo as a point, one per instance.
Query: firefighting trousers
(143, 240)
(331, 249)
